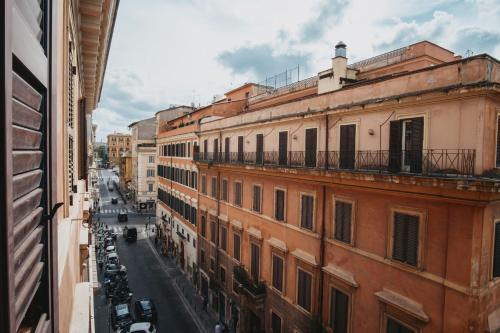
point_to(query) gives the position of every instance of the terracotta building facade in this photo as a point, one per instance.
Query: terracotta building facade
(118, 143)
(364, 199)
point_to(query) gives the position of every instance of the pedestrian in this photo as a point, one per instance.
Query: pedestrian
(217, 328)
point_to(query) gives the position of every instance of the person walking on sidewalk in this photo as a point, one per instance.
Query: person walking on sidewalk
(217, 328)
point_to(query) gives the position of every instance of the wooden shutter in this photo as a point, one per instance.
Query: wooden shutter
(498, 142)
(343, 220)
(256, 198)
(236, 247)
(216, 149)
(311, 147)
(395, 327)
(224, 189)
(283, 148)
(277, 273)
(226, 149)
(259, 158)
(496, 251)
(347, 146)
(304, 290)
(240, 149)
(412, 240)
(280, 205)
(417, 140)
(307, 203)
(399, 238)
(255, 262)
(339, 311)
(395, 146)
(203, 226)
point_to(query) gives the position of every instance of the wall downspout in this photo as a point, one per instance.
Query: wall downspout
(322, 255)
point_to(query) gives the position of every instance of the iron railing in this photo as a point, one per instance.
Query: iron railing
(444, 162)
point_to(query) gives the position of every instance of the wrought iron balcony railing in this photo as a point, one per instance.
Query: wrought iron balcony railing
(443, 162)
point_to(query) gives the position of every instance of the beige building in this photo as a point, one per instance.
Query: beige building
(143, 154)
(118, 143)
(50, 86)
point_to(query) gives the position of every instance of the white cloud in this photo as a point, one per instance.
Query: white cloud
(169, 51)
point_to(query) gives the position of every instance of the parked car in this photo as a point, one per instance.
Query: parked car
(121, 316)
(145, 310)
(139, 328)
(112, 258)
(122, 216)
(131, 235)
(110, 249)
(114, 201)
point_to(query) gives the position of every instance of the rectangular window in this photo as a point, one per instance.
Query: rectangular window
(279, 205)
(496, 251)
(255, 262)
(304, 284)
(240, 149)
(257, 198)
(238, 194)
(236, 246)
(223, 238)
(307, 211)
(151, 159)
(339, 311)
(204, 184)
(311, 147)
(276, 323)
(259, 149)
(189, 149)
(212, 231)
(394, 326)
(150, 173)
(214, 187)
(405, 238)
(222, 275)
(343, 221)
(226, 149)
(224, 189)
(203, 226)
(150, 187)
(278, 273)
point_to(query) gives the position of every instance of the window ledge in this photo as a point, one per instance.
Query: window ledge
(341, 274)
(305, 256)
(403, 303)
(278, 244)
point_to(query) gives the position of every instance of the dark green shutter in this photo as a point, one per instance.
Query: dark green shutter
(339, 311)
(417, 139)
(496, 251)
(395, 146)
(399, 238)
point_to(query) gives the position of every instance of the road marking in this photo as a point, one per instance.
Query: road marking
(184, 301)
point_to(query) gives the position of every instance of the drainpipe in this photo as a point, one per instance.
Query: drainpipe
(322, 255)
(327, 137)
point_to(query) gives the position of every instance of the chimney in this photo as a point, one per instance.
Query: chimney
(339, 63)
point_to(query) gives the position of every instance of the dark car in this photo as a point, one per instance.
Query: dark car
(131, 235)
(121, 316)
(122, 217)
(145, 310)
(114, 201)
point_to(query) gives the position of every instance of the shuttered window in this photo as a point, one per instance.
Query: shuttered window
(394, 326)
(224, 190)
(275, 323)
(279, 203)
(304, 284)
(257, 198)
(222, 275)
(216, 149)
(214, 187)
(204, 184)
(223, 238)
(226, 149)
(213, 231)
(343, 221)
(238, 194)
(278, 273)
(203, 226)
(255, 262)
(240, 149)
(498, 142)
(307, 206)
(236, 246)
(405, 238)
(339, 311)
(496, 251)
(259, 149)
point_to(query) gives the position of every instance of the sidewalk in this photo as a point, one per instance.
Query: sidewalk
(187, 288)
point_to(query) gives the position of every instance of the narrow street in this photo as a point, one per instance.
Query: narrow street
(148, 277)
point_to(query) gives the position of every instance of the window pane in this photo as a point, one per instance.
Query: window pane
(277, 273)
(280, 205)
(339, 311)
(307, 212)
(275, 323)
(304, 290)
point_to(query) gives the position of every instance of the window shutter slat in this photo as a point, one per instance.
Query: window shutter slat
(417, 128)
(399, 246)
(496, 249)
(340, 312)
(412, 243)
(395, 146)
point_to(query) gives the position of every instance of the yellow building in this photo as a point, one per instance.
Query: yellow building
(50, 86)
(118, 143)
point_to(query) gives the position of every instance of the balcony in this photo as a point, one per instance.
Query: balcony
(435, 162)
(255, 290)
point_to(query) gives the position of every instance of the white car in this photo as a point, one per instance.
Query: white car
(110, 249)
(139, 328)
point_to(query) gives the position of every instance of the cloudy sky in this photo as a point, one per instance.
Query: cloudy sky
(167, 52)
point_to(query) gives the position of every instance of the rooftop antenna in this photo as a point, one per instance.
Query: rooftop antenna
(469, 53)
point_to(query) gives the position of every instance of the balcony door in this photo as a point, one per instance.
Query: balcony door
(406, 144)
(226, 149)
(240, 149)
(283, 148)
(216, 149)
(347, 146)
(259, 158)
(311, 146)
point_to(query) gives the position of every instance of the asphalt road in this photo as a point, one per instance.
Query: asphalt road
(147, 277)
